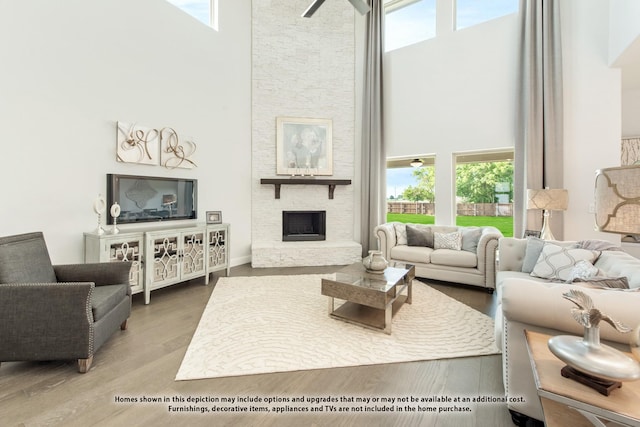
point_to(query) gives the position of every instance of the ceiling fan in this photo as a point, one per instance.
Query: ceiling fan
(360, 5)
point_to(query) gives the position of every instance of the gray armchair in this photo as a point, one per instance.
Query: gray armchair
(57, 312)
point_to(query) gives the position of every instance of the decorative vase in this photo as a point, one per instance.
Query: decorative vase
(375, 262)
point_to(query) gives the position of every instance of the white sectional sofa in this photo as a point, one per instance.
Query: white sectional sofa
(472, 262)
(534, 303)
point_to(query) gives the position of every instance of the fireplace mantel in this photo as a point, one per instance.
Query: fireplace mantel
(331, 183)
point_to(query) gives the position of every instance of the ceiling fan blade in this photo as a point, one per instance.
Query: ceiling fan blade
(361, 6)
(312, 8)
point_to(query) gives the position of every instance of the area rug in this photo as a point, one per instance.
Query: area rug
(255, 325)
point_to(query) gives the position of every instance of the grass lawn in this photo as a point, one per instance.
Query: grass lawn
(502, 223)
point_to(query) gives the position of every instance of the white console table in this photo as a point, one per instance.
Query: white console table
(163, 256)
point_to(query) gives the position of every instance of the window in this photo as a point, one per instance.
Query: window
(411, 190)
(473, 12)
(205, 11)
(408, 22)
(484, 190)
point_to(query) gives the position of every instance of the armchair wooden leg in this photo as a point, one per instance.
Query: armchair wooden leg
(123, 325)
(85, 364)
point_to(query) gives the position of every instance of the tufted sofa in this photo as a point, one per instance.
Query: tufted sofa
(472, 264)
(534, 303)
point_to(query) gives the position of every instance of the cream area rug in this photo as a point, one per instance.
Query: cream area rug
(255, 325)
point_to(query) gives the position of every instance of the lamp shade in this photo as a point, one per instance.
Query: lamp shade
(617, 200)
(550, 199)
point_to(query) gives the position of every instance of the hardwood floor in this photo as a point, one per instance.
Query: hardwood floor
(143, 361)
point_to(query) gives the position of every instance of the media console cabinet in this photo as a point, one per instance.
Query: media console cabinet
(163, 256)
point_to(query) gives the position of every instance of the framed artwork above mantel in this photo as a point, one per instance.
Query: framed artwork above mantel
(304, 146)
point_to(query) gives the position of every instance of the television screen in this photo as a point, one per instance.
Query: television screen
(147, 198)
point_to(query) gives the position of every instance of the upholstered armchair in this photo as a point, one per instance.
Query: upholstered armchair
(61, 312)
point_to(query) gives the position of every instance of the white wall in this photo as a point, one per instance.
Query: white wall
(592, 110)
(71, 69)
(451, 94)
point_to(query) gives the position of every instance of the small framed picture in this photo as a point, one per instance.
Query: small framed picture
(531, 233)
(214, 217)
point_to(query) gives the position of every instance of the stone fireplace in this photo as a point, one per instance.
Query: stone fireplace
(285, 49)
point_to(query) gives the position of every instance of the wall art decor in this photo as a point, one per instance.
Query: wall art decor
(176, 152)
(214, 217)
(137, 144)
(304, 146)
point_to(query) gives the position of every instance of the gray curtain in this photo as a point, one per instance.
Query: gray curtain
(538, 159)
(374, 165)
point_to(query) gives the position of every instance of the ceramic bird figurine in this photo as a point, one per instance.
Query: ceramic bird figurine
(587, 315)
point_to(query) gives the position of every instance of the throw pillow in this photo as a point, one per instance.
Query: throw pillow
(556, 262)
(419, 236)
(603, 282)
(532, 253)
(401, 234)
(583, 270)
(447, 241)
(470, 238)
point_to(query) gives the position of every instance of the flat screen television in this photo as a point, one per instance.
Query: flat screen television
(151, 198)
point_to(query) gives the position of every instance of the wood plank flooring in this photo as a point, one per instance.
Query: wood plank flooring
(143, 361)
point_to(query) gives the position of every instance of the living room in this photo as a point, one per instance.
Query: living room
(72, 70)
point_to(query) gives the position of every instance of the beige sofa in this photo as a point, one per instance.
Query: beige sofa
(537, 304)
(472, 264)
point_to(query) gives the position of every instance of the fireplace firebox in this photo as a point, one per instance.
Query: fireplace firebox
(300, 226)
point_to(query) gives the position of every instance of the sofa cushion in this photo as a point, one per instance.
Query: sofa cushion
(454, 258)
(470, 238)
(619, 263)
(603, 282)
(556, 262)
(419, 236)
(532, 253)
(447, 241)
(105, 298)
(419, 254)
(401, 233)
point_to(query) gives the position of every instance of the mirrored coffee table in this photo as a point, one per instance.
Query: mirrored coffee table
(369, 299)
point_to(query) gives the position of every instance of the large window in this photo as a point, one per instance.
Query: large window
(411, 187)
(205, 11)
(408, 22)
(473, 12)
(484, 189)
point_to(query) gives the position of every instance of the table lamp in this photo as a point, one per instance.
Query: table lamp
(548, 199)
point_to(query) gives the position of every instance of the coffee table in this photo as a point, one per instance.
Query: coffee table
(370, 299)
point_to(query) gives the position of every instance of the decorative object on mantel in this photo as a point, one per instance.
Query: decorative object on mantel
(115, 213)
(136, 144)
(548, 200)
(304, 146)
(99, 206)
(617, 200)
(175, 153)
(305, 181)
(589, 362)
(214, 217)
(375, 262)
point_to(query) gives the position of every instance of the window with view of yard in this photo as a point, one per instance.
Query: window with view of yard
(484, 190)
(411, 190)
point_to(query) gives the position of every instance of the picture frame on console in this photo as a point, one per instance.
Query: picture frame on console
(304, 146)
(531, 233)
(214, 217)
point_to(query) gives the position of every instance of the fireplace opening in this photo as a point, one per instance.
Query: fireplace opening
(300, 226)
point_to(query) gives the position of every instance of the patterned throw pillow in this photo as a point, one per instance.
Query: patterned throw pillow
(582, 270)
(556, 262)
(401, 234)
(447, 241)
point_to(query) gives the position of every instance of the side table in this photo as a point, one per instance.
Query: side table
(568, 403)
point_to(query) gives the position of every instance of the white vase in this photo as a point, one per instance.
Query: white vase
(375, 262)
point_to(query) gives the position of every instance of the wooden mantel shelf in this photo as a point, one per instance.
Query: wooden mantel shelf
(305, 181)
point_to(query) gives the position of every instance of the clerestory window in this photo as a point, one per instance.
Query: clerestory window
(205, 11)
